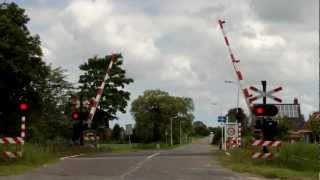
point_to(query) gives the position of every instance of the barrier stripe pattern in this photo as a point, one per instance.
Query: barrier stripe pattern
(23, 127)
(266, 143)
(11, 140)
(95, 102)
(234, 62)
(15, 154)
(239, 134)
(260, 155)
(15, 140)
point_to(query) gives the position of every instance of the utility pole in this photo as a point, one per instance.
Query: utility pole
(171, 132)
(81, 119)
(180, 132)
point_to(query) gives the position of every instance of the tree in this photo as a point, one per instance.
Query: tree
(283, 127)
(313, 124)
(23, 73)
(152, 112)
(114, 97)
(116, 133)
(200, 129)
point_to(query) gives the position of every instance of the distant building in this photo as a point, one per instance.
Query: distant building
(293, 113)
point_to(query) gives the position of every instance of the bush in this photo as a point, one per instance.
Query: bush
(297, 156)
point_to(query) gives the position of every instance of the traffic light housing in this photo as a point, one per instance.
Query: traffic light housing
(265, 110)
(240, 116)
(269, 128)
(23, 103)
(77, 115)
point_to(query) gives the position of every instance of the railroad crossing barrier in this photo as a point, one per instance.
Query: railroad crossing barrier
(262, 143)
(19, 141)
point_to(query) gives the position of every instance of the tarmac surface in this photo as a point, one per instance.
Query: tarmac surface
(193, 161)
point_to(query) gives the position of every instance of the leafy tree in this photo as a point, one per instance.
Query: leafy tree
(313, 125)
(114, 97)
(116, 133)
(21, 68)
(283, 127)
(200, 129)
(153, 112)
(23, 73)
(217, 131)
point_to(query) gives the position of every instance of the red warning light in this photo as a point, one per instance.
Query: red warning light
(75, 115)
(260, 110)
(23, 106)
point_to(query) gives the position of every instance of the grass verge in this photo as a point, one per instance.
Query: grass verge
(293, 161)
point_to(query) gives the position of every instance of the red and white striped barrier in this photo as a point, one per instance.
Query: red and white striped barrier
(260, 155)
(100, 89)
(9, 154)
(239, 134)
(266, 143)
(11, 140)
(23, 127)
(235, 63)
(15, 140)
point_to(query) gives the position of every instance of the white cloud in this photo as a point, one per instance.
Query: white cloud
(176, 46)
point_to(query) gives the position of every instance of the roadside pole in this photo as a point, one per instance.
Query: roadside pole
(171, 143)
(81, 119)
(180, 132)
(129, 140)
(225, 133)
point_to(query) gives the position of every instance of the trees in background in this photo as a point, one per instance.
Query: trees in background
(200, 129)
(116, 132)
(153, 112)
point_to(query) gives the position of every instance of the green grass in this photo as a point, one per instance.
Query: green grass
(292, 161)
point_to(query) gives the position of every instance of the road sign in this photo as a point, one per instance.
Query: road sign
(129, 130)
(231, 131)
(221, 119)
(265, 94)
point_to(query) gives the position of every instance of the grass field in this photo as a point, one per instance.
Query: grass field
(292, 161)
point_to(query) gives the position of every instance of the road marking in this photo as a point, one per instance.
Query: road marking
(153, 155)
(138, 166)
(68, 157)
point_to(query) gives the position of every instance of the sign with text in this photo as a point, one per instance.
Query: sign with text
(129, 129)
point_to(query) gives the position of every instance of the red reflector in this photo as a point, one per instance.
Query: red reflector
(23, 106)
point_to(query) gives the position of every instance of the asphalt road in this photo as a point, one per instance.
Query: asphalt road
(192, 161)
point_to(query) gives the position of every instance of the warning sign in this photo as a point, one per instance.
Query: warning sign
(231, 131)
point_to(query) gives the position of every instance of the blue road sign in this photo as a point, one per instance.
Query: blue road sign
(222, 119)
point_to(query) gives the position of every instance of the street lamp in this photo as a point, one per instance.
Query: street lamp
(238, 91)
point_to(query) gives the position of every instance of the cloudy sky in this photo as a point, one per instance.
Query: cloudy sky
(176, 45)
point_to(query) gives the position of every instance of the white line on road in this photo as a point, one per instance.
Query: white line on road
(137, 166)
(67, 157)
(153, 155)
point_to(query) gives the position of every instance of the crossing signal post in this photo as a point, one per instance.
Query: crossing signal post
(265, 126)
